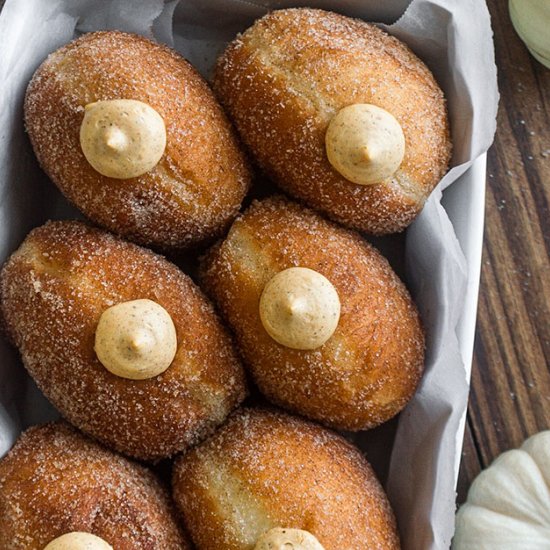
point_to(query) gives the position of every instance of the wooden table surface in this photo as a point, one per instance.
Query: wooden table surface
(510, 390)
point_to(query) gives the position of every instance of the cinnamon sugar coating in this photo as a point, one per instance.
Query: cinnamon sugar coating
(195, 190)
(371, 365)
(55, 481)
(284, 79)
(53, 291)
(266, 469)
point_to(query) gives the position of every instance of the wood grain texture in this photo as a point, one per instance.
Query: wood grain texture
(470, 464)
(510, 391)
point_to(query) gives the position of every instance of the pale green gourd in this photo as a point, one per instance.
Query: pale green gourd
(508, 505)
(531, 19)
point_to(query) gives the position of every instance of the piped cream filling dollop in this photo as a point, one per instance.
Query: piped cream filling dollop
(122, 138)
(300, 308)
(78, 540)
(365, 143)
(288, 539)
(136, 339)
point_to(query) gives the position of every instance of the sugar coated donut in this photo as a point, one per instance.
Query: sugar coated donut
(59, 488)
(134, 137)
(339, 113)
(267, 475)
(119, 339)
(354, 376)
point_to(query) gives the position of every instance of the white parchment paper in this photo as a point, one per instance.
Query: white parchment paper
(453, 37)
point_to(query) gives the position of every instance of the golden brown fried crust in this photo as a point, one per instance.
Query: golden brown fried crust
(285, 78)
(267, 469)
(54, 289)
(370, 367)
(197, 187)
(56, 481)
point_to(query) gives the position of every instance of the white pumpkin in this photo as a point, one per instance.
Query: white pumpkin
(508, 504)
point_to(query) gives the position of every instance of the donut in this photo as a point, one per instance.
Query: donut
(55, 482)
(265, 475)
(274, 278)
(92, 314)
(341, 115)
(117, 96)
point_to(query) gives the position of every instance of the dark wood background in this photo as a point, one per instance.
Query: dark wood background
(510, 393)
